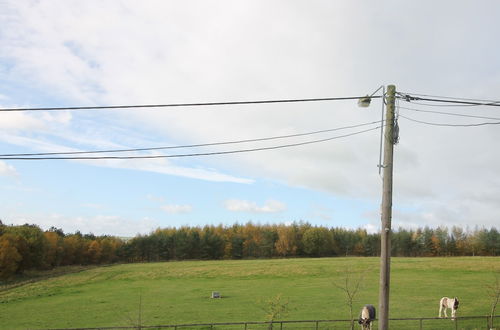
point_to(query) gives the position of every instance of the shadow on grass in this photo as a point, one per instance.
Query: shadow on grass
(41, 275)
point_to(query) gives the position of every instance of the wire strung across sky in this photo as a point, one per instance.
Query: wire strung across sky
(444, 99)
(449, 97)
(51, 155)
(176, 105)
(449, 113)
(191, 145)
(193, 154)
(409, 97)
(447, 124)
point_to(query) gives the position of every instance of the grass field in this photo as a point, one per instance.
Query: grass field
(179, 292)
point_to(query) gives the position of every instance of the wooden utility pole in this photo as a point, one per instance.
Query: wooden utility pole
(385, 234)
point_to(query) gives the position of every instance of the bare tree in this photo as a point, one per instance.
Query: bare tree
(136, 323)
(350, 285)
(494, 293)
(275, 308)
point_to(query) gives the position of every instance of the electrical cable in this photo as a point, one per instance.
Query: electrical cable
(192, 154)
(449, 113)
(188, 146)
(449, 97)
(444, 105)
(450, 125)
(197, 104)
(409, 98)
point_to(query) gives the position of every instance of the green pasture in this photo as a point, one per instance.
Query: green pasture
(179, 292)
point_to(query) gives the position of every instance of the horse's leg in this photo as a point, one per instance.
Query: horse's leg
(440, 309)
(445, 313)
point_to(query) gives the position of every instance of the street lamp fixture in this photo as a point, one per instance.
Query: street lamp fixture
(364, 102)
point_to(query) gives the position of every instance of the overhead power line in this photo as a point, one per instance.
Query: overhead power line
(449, 97)
(443, 105)
(191, 145)
(411, 98)
(449, 113)
(198, 104)
(448, 124)
(192, 154)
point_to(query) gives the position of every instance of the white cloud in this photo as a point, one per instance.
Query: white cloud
(371, 228)
(61, 117)
(7, 170)
(175, 52)
(270, 206)
(16, 121)
(321, 212)
(170, 208)
(176, 209)
(97, 140)
(165, 167)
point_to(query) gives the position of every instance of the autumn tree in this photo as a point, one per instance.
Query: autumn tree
(93, 252)
(317, 242)
(36, 244)
(286, 244)
(252, 236)
(73, 250)
(55, 249)
(9, 256)
(233, 247)
(461, 241)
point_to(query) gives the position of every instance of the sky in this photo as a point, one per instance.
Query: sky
(97, 53)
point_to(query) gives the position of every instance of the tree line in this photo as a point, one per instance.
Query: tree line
(28, 247)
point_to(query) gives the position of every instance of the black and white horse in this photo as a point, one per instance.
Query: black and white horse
(366, 316)
(446, 303)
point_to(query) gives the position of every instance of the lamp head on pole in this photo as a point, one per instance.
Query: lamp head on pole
(364, 102)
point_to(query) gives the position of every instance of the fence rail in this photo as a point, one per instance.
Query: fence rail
(463, 322)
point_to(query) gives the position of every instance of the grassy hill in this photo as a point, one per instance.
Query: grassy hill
(179, 292)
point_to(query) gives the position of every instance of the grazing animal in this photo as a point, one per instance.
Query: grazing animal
(366, 316)
(446, 303)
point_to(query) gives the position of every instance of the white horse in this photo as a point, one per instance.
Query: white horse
(366, 317)
(446, 303)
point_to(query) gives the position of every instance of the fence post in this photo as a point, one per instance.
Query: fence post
(421, 321)
(317, 325)
(456, 323)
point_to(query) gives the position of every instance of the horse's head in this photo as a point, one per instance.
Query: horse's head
(455, 304)
(365, 323)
